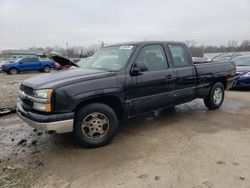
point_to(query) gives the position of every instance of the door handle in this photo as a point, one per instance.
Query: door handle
(169, 77)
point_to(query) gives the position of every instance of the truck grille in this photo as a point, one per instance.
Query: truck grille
(27, 90)
(27, 104)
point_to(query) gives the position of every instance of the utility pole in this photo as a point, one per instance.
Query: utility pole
(67, 45)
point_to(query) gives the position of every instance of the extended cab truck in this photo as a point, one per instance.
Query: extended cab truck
(28, 64)
(119, 82)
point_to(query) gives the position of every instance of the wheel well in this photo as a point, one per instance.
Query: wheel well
(46, 66)
(223, 80)
(12, 68)
(112, 101)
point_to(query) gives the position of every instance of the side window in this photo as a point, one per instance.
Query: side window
(154, 57)
(24, 60)
(179, 55)
(33, 60)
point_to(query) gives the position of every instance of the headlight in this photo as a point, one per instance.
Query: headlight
(42, 107)
(43, 93)
(246, 75)
(42, 100)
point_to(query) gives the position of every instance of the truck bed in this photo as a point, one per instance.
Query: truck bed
(207, 72)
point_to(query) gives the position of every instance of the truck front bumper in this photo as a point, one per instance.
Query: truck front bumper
(47, 123)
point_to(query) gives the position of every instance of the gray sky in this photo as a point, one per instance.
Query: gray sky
(26, 23)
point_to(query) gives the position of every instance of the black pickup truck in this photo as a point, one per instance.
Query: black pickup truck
(119, 82)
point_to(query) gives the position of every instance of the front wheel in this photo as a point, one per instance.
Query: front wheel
(95, 125)
(216, 96)
(13, 71)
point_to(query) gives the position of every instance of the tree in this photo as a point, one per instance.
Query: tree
(191, 43)
(232, 45)
(245, 45)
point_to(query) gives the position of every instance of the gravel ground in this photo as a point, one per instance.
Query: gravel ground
(9, 86)
(188, 146)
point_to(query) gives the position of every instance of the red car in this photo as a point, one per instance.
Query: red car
(64, 62)
(59, 67)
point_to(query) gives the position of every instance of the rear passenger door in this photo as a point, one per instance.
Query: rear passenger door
(185, 85)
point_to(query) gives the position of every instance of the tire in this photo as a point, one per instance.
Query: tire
(46, 69)
(95, 125)
(13, 71)
(216, 96)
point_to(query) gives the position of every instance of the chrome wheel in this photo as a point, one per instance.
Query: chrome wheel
(13, 71)
(218, 95)
(95, 125)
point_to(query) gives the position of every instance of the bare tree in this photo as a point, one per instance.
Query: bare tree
(232, 45)
(196, 50)
(245, 45)
(191, 43)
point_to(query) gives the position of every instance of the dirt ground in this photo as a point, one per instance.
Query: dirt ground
(9, 86)
(188, 146)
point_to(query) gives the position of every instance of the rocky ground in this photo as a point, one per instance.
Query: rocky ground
(188, 146)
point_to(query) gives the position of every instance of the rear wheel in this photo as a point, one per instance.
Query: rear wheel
(95, 125)
(13, 71)
(46, 69)
(216, 96)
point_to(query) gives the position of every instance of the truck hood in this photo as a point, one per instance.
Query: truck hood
(57, 79)
(63, 61)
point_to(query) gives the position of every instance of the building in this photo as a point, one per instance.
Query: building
(15, 54)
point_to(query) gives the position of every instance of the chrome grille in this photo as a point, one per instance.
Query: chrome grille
(27, 90)
(26, 103)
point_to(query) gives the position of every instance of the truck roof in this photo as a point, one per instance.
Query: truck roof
(145, 43)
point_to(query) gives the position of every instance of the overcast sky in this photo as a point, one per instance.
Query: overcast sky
(26, 23)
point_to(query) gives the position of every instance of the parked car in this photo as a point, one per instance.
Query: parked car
(28, 64)
(242, 71)
(65, 63)
(58, 66)
(1, 63)
(225, 57)
(119, 82)
(200, 60)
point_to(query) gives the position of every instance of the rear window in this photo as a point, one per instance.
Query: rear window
(179, 55)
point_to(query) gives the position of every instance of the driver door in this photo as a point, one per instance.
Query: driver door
(24, 64)
(152, 89)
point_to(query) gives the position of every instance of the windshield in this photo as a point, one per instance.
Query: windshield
(242, 61)
(110, 58)
(17, 60)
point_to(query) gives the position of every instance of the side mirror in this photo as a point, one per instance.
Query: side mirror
(139, 68)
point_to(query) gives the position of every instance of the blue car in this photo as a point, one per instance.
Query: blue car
(27, 64)
(1, 63)
(242, 71)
